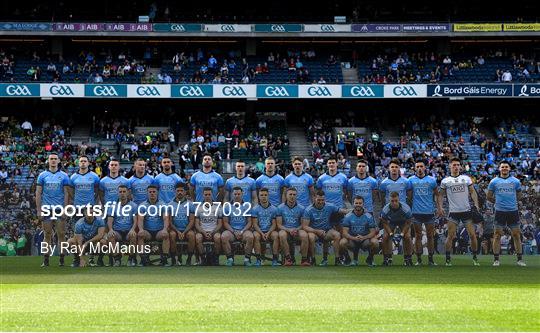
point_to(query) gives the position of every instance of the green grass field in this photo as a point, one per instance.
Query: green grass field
(458, 298)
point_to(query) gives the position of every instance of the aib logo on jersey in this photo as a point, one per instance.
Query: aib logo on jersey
(319, 91)
(276, 91)
(147, 91)
(404, 91)
(233, 91)
(18, 90)
(458, 188)
(59, 90)
(105, 91)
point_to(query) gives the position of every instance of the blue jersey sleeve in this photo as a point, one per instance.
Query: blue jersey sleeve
(371, 220)
(491, 186)
(220, 181)
(346, 221)
(518, 185)
(78, 229)
(310, 180)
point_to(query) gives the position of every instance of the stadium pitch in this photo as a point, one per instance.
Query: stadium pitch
(397, 298)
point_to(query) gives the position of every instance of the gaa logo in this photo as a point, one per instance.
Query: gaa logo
(404, 91)
(233, 91)
(228, 28)
(361, 91)
(276, 91)
(319, 91)
(277, 28)
(147, 91)
(178, 27)
(105, 91)
(18, 90)
(190, 91)
(327, 28)
(61, 91)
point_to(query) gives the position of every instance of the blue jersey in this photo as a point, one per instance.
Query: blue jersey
(400, 215)
(201, 180)
(505, 190)
(291, 216)
(247, 184)
(422, 194)
(334, 187)
(109, 187)
(400, 185)
(274, 185)
(123, 216)
(301, 184)
(363, 187)
(88, 230)
(152, 215)
(320, 218)
(358, 224)
(84, 188)
(53, 187)
(265, 216)
(167, 185)
(180, 212)
(238, 218)
(139, 187)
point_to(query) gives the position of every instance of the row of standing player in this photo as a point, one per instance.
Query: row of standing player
(420, 190)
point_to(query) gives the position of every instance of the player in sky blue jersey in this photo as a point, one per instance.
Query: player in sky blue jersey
(153, 225)
(271, 181)
(263, 217)
(301, 181)
(359, 232)
(289, 223)
(505, 192)
(122, 224)
(108, 186)
(84, 184)
(395, 183)
(206, 178)
(237, 226)
(181, 224)
(333, 184)
(247, 184)
(167, 180)
(363, 185)
(396, 214)
(52, 189)
(88, 229)
(425, 199)
(316, 221)
(139, 182)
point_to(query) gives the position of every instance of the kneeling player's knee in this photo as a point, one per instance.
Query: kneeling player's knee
(141, 234)
(199, 238)
(282, 234)
(312, 237)
(343, 242)
(172, 234)
(217, 237)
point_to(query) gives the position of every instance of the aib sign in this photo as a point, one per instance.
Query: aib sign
(527, 90)
(405, 90)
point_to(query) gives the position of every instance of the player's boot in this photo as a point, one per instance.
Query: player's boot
(229, 262)
(353, 263)
(91, 262)
(247, 262)
(369, 262)
(45, 262)
(76, 261)
(100, 262)
(418, 262)
(521, 263)
(323, 262)
(496, 263)
(258, 263)
(117, 262)
(305, 263)
(61, 262)
(475, 262)
(288, 262)
(448, 263)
